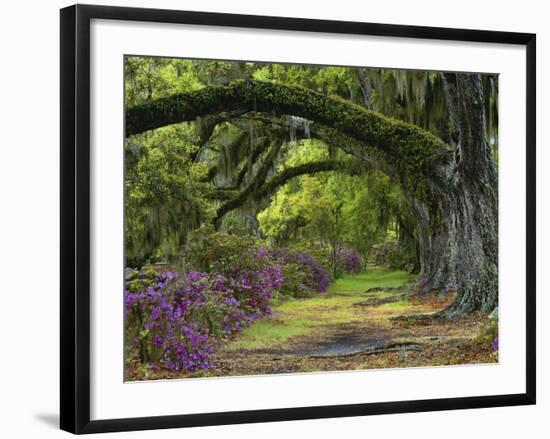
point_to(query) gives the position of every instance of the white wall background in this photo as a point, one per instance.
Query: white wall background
(29, 200)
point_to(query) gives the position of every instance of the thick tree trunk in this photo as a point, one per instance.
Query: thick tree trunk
(463, 247)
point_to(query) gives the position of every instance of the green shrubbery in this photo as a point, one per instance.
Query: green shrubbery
(210, 250)
(391, 254)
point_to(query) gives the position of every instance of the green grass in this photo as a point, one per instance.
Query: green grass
(373, 277)
(265, 334)
(298, 317)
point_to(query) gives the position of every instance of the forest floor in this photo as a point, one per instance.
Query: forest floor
(362, 322)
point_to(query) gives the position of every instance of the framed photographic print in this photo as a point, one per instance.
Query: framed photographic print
(268, 218)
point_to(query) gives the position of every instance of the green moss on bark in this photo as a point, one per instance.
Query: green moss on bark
(414, 147)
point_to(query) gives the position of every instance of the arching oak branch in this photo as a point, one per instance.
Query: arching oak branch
(256, 192)
(403, 142)
(347, 167)
(311, 168)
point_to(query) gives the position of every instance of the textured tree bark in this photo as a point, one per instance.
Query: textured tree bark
(451, 188)
(468, 235)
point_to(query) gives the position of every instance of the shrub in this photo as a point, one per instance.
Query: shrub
(159, 328)
(217, 252)
(293, 284)
(398, 259)
(304, 270)
(317, 278)
(254, 285)
(348, 260)
(171, 318)
(317, 251)
(393, 255)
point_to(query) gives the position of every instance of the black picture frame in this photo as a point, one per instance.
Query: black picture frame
(75, 217)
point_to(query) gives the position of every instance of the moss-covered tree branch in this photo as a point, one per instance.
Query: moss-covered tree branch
(402, 141)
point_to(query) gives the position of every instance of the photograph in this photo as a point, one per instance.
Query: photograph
(298, 218)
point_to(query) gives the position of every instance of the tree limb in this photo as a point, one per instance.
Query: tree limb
(404, 143)
(258, 192)
(258, 180)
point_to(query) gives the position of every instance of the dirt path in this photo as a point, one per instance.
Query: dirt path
(353, 326)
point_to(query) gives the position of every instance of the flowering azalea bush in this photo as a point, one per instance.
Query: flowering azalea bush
(304, 273)
(319, 252)
(160, 329)
(255, 285)
(171, 318)
(348, 260)
(317, 278)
